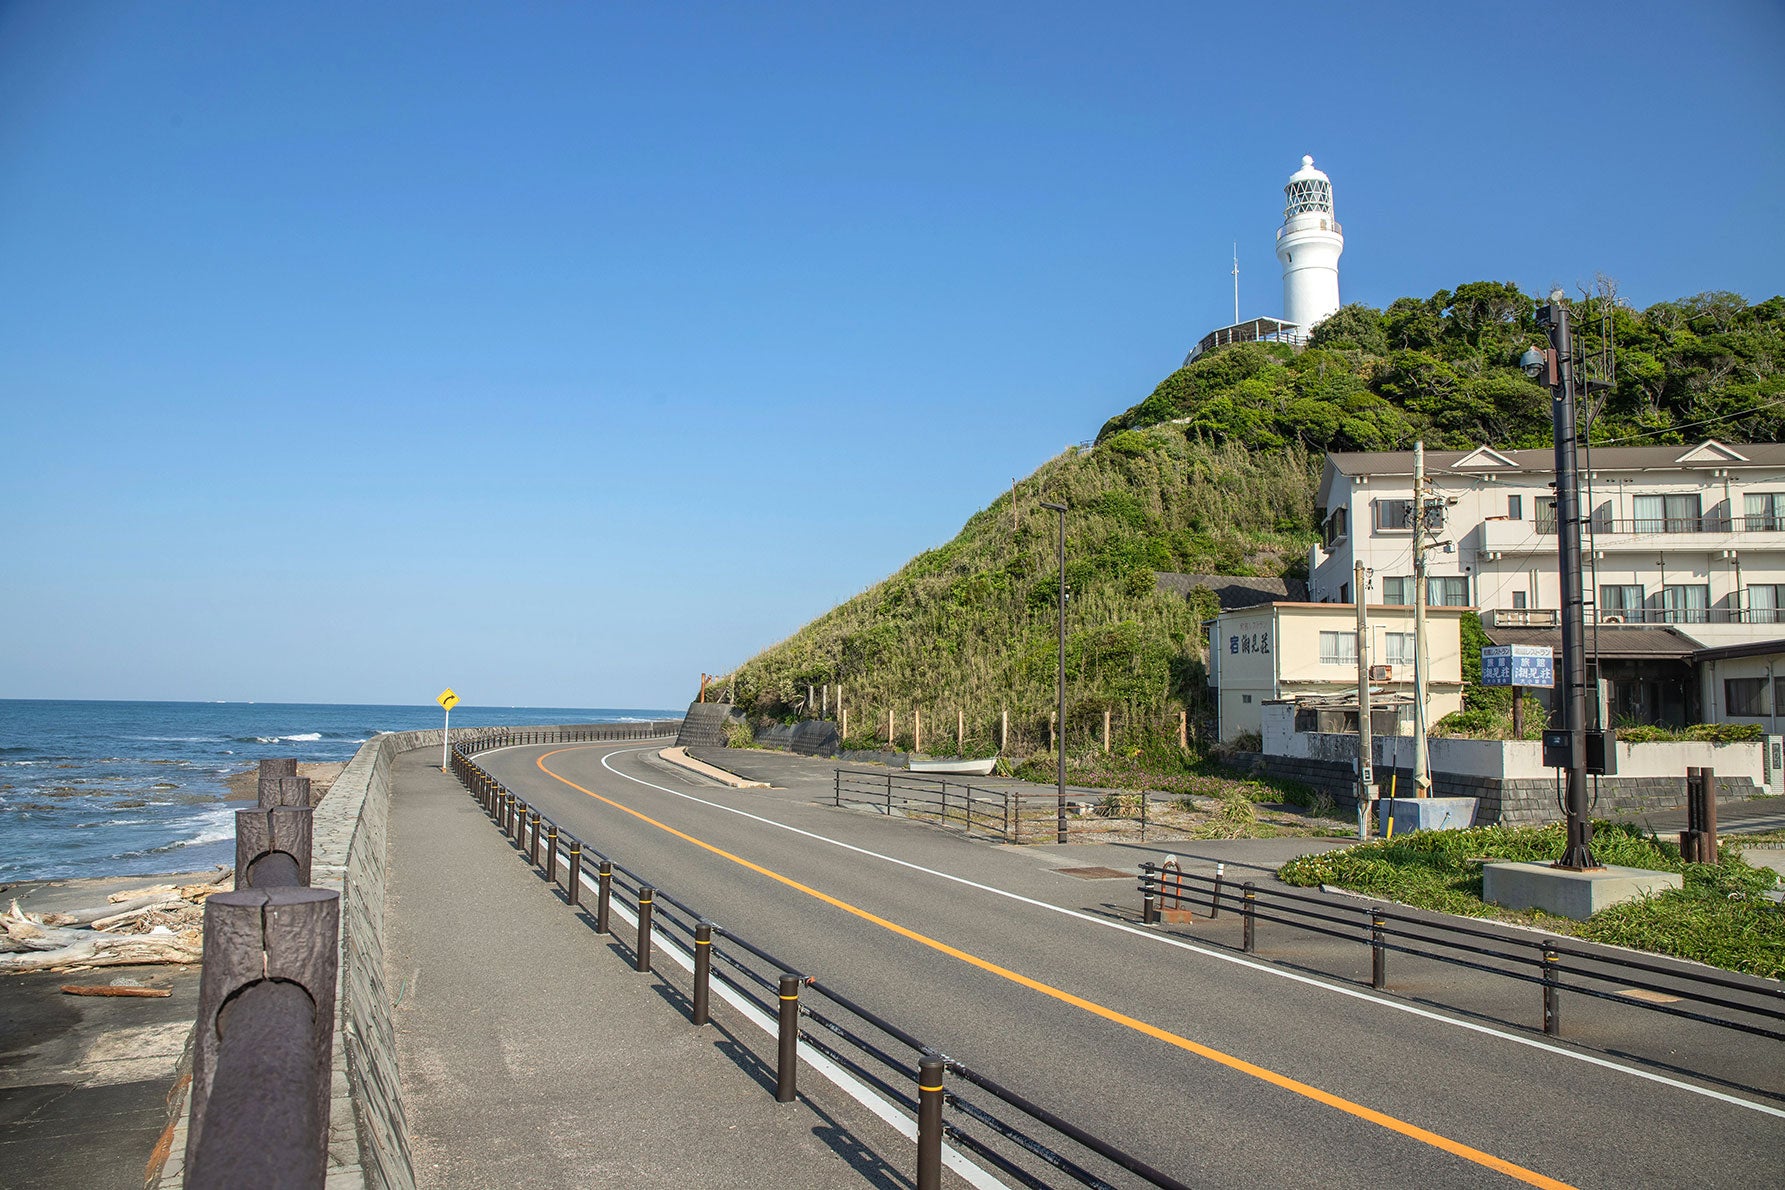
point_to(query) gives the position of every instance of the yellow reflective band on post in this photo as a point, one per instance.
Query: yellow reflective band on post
(924, 1088)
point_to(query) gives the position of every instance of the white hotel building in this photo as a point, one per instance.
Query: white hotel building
(1688, 541)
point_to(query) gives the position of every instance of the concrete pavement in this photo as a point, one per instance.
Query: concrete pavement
(531, 1054)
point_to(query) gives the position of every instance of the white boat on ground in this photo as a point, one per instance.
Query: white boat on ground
(968, 768)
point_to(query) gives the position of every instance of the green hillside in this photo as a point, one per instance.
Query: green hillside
(1215, 472)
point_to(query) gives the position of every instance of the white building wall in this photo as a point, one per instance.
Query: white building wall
(1504, 556)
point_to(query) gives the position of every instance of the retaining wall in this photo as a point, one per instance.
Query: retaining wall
(704, 724)
(1516, 801)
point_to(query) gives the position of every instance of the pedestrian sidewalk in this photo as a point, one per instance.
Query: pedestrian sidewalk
(531, 1054)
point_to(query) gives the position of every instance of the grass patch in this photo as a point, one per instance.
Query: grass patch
(1717, 918)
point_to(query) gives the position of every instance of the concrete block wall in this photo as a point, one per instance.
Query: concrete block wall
(704, 725)
(809, 737)
(1516, 801)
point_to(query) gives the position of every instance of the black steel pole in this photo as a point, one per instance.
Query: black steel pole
(1578, 856)
(1060, 687)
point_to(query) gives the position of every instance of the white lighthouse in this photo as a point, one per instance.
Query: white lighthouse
(1309, 244)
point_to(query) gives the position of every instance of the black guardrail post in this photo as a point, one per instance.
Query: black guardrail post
(533, 838)
(703, 968)
(1149, 901)
(1215, 897)
(642, 952)
(788, 1055)
(260, 1067)
(1378, 954)
(604, 894)
(1552, 987)
(837, 791)
(573, 879)
(273, 847)
(929, 1122)
(1249, 940)
(551, 853)
(889, 795)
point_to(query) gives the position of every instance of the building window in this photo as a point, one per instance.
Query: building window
(1397, 648)
(1744, 696)
(1622, 602)
(1394, 515)
(1515, 508)
(1338, 648)
(1546, 515)
(1766, 510)
(1682, 604)
(1335, 527)
(1765, 603)
(1518, 600)
(1447, 591)
(1667, 514)
(1398, 591)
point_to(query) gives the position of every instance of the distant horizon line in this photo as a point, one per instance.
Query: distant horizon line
(250, 702)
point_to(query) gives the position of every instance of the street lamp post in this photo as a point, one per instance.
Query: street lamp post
(1556, 367)
(1060, 684)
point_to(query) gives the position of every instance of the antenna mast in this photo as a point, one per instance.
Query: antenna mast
(1236, 282)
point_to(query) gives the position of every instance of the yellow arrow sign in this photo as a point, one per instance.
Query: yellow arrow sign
(448, 699)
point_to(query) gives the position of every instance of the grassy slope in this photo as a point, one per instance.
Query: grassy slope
(972, 624)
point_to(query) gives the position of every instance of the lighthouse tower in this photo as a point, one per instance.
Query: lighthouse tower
(1309, 244)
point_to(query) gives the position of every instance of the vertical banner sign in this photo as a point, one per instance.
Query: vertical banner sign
(447, 700)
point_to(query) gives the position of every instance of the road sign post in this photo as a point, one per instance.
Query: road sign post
(447, 700)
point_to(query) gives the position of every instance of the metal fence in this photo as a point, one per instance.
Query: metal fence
(1023, 1140)
(1550, 964)
(951, 803)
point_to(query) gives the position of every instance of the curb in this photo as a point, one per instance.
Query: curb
(679, 757)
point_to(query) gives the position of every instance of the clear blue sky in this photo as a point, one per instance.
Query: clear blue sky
(561, 351)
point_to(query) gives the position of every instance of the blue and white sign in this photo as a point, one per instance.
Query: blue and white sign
(1518, 665)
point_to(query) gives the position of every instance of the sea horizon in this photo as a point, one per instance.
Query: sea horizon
(119, 787)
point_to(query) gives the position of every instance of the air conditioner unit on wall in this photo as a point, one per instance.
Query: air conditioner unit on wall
(1381, 673)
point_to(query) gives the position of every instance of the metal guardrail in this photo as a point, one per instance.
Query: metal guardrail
(994, 812)
(594, 733)
(1549, 963)
(1023, 1140)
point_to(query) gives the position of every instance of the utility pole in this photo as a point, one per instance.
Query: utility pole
(1559, 366)
(1422, 775)
(1366, 778)
(1060, 731)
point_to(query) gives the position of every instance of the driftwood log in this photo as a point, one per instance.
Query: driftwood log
(159, 924)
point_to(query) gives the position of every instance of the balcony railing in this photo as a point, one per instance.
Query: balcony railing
(1651, 526)
(1539, 617)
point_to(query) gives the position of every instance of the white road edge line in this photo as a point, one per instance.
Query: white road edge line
(1236, 960)
(850, 1085)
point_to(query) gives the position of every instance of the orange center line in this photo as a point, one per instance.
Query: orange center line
(1336, 1102)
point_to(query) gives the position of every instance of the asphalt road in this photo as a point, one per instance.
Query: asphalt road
(1222, 1072)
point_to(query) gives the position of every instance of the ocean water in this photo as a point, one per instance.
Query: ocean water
(127, 788)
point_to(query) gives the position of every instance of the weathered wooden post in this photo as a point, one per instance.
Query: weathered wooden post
(960, 731)
(283, 789)
(273, 847)
(1004, 730)
(1106, 732)
(916, 730)
(1183, 729)
(260, 1063)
